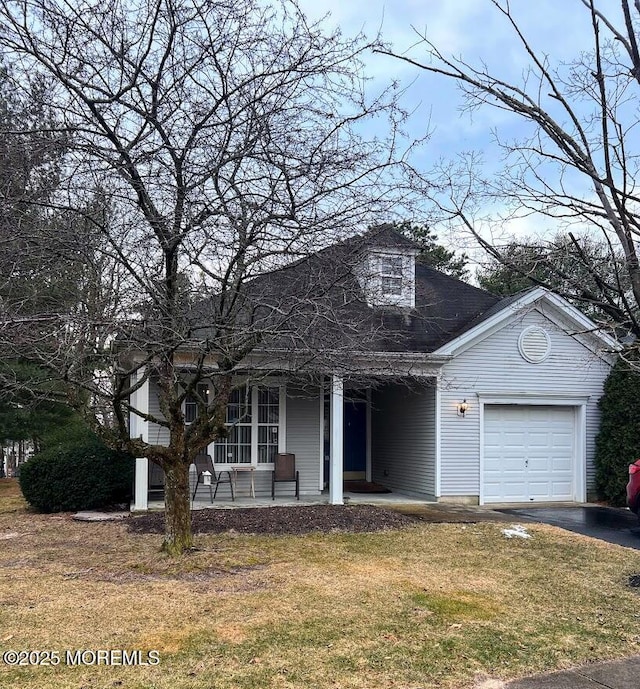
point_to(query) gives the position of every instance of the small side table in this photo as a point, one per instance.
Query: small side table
(252, 485)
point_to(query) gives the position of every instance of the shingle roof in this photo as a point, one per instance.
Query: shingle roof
(328, 309)
(498, 306)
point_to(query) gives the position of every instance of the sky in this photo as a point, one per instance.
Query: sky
(474, 30)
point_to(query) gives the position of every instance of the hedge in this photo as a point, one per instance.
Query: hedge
(82, 475)
(618, 442)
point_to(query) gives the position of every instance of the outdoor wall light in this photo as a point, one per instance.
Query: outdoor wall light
(462, 407)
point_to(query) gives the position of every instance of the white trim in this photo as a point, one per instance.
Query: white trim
(580, 477)
(586, 323)
(579, 335)
(253, 393)
(510, 311)
(438, 439)
(138, 427)
(254, 425)
(336, 493)
(369, 468)
(322, 422)
(526, 398)
(579, 404)
(481, 405)
(282, 418)
(522, 344)
(141, 485)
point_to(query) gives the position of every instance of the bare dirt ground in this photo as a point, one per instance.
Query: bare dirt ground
(297, 520)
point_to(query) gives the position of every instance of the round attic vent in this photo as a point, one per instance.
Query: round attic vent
(534, 344)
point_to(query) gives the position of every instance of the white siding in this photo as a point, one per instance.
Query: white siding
(303, 438)
(302, 435)
(403, 438)
(495, 366)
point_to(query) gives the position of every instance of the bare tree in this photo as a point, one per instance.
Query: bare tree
(225, 138)
(578, 164)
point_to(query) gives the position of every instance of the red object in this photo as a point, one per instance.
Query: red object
(633, 487)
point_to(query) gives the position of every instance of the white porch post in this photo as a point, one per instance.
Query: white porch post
(369, 470)
(141, 483)
(139, 428)
(337, 439)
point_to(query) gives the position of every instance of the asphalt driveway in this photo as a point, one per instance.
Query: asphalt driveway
(614, 525)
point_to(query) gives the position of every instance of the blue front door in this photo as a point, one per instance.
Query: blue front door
(355, 436)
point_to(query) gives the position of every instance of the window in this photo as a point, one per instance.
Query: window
(236, 447)
(253, 420)
(391, 275)
(191, 403)
(268, 420)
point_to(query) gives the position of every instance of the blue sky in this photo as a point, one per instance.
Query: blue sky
(474, 30)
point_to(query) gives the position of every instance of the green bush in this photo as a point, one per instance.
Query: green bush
(618, 442)
(81, 475)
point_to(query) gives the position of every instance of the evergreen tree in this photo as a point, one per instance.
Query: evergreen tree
(618, 442)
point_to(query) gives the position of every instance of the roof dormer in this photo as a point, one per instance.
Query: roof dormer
(387, 276)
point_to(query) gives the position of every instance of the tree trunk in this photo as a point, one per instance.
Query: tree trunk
(11, 461)
(177, 500)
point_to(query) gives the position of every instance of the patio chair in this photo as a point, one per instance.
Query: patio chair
(203, 463)
(284, 471)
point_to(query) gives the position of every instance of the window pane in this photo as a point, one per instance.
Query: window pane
(392, 286)
(267, 443)
(391, 265)
(267, 395)
(190, 411)
(268, 405)
(191, 402)
(238, 407)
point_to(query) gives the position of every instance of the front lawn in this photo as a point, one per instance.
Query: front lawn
(429, 605)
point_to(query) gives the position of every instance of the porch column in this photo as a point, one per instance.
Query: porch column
(139, 428)
(369, 470)
(141, 486)
(337, 439)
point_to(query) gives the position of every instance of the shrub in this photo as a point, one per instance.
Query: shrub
(618, 442)
(77, 476)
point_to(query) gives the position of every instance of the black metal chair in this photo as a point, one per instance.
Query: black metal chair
(203, 463)
(284, 471)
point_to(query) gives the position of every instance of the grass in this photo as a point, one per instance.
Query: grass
(435, 605)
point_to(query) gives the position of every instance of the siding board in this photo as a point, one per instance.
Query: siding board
(495, 366)
(303, 438)
(403, 438)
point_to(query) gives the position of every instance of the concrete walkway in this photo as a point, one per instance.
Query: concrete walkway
(616, 674)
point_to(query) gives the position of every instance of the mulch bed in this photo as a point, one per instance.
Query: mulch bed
(282, 520)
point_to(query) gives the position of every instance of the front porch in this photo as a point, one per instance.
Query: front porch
(338, 431)
(202, 502)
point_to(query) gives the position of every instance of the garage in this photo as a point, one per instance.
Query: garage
(529, 453)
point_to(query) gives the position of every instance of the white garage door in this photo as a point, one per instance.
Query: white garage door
(528, 453)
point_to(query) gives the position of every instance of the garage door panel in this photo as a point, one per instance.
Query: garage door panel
(528, 453)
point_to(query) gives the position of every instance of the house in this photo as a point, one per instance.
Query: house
(422, 383)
